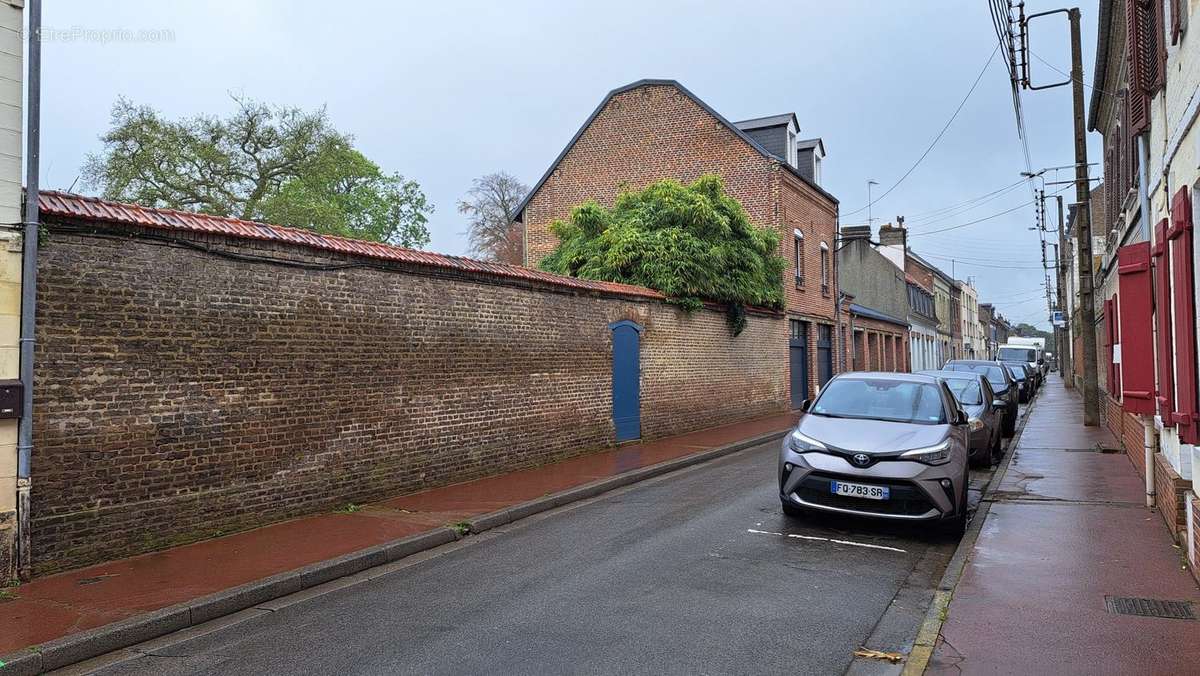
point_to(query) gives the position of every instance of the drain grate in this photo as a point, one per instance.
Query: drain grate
(1131, 605)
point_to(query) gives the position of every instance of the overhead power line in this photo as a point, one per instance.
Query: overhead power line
(935, 139)
(965, 205)
(978, 220)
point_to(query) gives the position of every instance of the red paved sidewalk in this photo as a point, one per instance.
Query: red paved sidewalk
(55, 606)
(1067, 526)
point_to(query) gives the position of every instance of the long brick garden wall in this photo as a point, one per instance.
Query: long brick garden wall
(181, 393)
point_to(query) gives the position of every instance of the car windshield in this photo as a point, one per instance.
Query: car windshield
(1018, 372)
(967, 391)
(881, 399)
(992, 372)
(1025, 354)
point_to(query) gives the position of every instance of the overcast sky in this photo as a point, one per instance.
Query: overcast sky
(446, 91)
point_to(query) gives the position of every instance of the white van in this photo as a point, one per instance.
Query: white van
(1028, 354)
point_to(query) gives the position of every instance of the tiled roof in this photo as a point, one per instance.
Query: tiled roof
(872, 313)
(68, 205)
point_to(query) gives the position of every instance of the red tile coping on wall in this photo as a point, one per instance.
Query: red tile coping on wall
(69, 205)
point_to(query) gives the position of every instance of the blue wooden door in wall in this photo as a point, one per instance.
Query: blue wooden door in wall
(626, 386)
(798, 364)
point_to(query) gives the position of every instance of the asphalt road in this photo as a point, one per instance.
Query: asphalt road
(693, 572)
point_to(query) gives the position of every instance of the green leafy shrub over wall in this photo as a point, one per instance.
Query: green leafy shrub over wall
(693, 243)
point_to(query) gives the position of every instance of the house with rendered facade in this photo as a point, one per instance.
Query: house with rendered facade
(1144, 103)
(871, 274)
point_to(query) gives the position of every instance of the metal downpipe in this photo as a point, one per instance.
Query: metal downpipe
(29, 289)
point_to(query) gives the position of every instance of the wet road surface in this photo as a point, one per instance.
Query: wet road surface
(694, 572)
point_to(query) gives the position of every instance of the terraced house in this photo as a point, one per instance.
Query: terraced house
(1145, 104)
(655, 129)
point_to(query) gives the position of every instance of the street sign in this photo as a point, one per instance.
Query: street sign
(1056, 318)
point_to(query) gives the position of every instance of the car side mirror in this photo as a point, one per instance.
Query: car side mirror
(960, 417)
(805, 405)
(998, 404)
(1041, 360)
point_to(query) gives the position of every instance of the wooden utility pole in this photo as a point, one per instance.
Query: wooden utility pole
(1083, 234)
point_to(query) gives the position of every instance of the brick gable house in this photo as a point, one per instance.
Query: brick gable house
(657, 129)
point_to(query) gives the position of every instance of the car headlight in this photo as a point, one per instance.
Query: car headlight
(932, 455)
(975, 424)
(802, 443)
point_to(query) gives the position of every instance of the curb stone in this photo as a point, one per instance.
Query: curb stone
(931, 628)
(108, 638)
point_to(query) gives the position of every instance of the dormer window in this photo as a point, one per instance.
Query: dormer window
(791, 149)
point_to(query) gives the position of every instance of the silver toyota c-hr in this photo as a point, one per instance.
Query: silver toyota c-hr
(884, 445)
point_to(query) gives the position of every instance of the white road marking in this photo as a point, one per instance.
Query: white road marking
(820, 539)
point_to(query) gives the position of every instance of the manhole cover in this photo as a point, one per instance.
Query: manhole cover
(1131, 605)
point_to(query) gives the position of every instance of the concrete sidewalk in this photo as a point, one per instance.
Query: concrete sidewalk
(60, 605)
(1067, 528)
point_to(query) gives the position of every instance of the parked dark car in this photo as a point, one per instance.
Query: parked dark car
(884, 445)
(1002, 382)
(1025, 382)
(985, 413)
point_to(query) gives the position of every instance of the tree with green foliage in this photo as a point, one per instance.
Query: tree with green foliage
(1025, 330)
(693, 243)
(264, 163)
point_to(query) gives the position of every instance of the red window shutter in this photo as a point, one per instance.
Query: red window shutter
(1115, 324)
(1162, 322)
(1124, 143)
(1139, 33)
(1136, 322)
(1158, 50)
(1176, 24)
(1186, 409)
(1108, 346)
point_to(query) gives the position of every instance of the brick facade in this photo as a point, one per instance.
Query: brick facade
(183, 392)
(644, 135)
(878, 346)
(1170, 491)
(655, 130)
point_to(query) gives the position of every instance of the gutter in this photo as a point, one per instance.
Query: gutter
(29, 289)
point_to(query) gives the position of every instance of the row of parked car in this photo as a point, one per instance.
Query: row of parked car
(900, 445)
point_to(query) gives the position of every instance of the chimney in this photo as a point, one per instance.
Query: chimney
(893, 242)
(850, 232)
(893, 235)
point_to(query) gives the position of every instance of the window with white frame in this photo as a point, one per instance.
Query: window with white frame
(798, 256)
(824, 267)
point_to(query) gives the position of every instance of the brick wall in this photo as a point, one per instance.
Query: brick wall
(1193, 552)
(1169, 493)
(182, 393)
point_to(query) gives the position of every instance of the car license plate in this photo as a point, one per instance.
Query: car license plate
(859, 490)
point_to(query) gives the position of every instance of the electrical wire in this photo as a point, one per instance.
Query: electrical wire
(1070, 77)
(937, 138)
(963, 225)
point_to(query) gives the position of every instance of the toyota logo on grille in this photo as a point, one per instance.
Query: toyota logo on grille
(861, 459)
